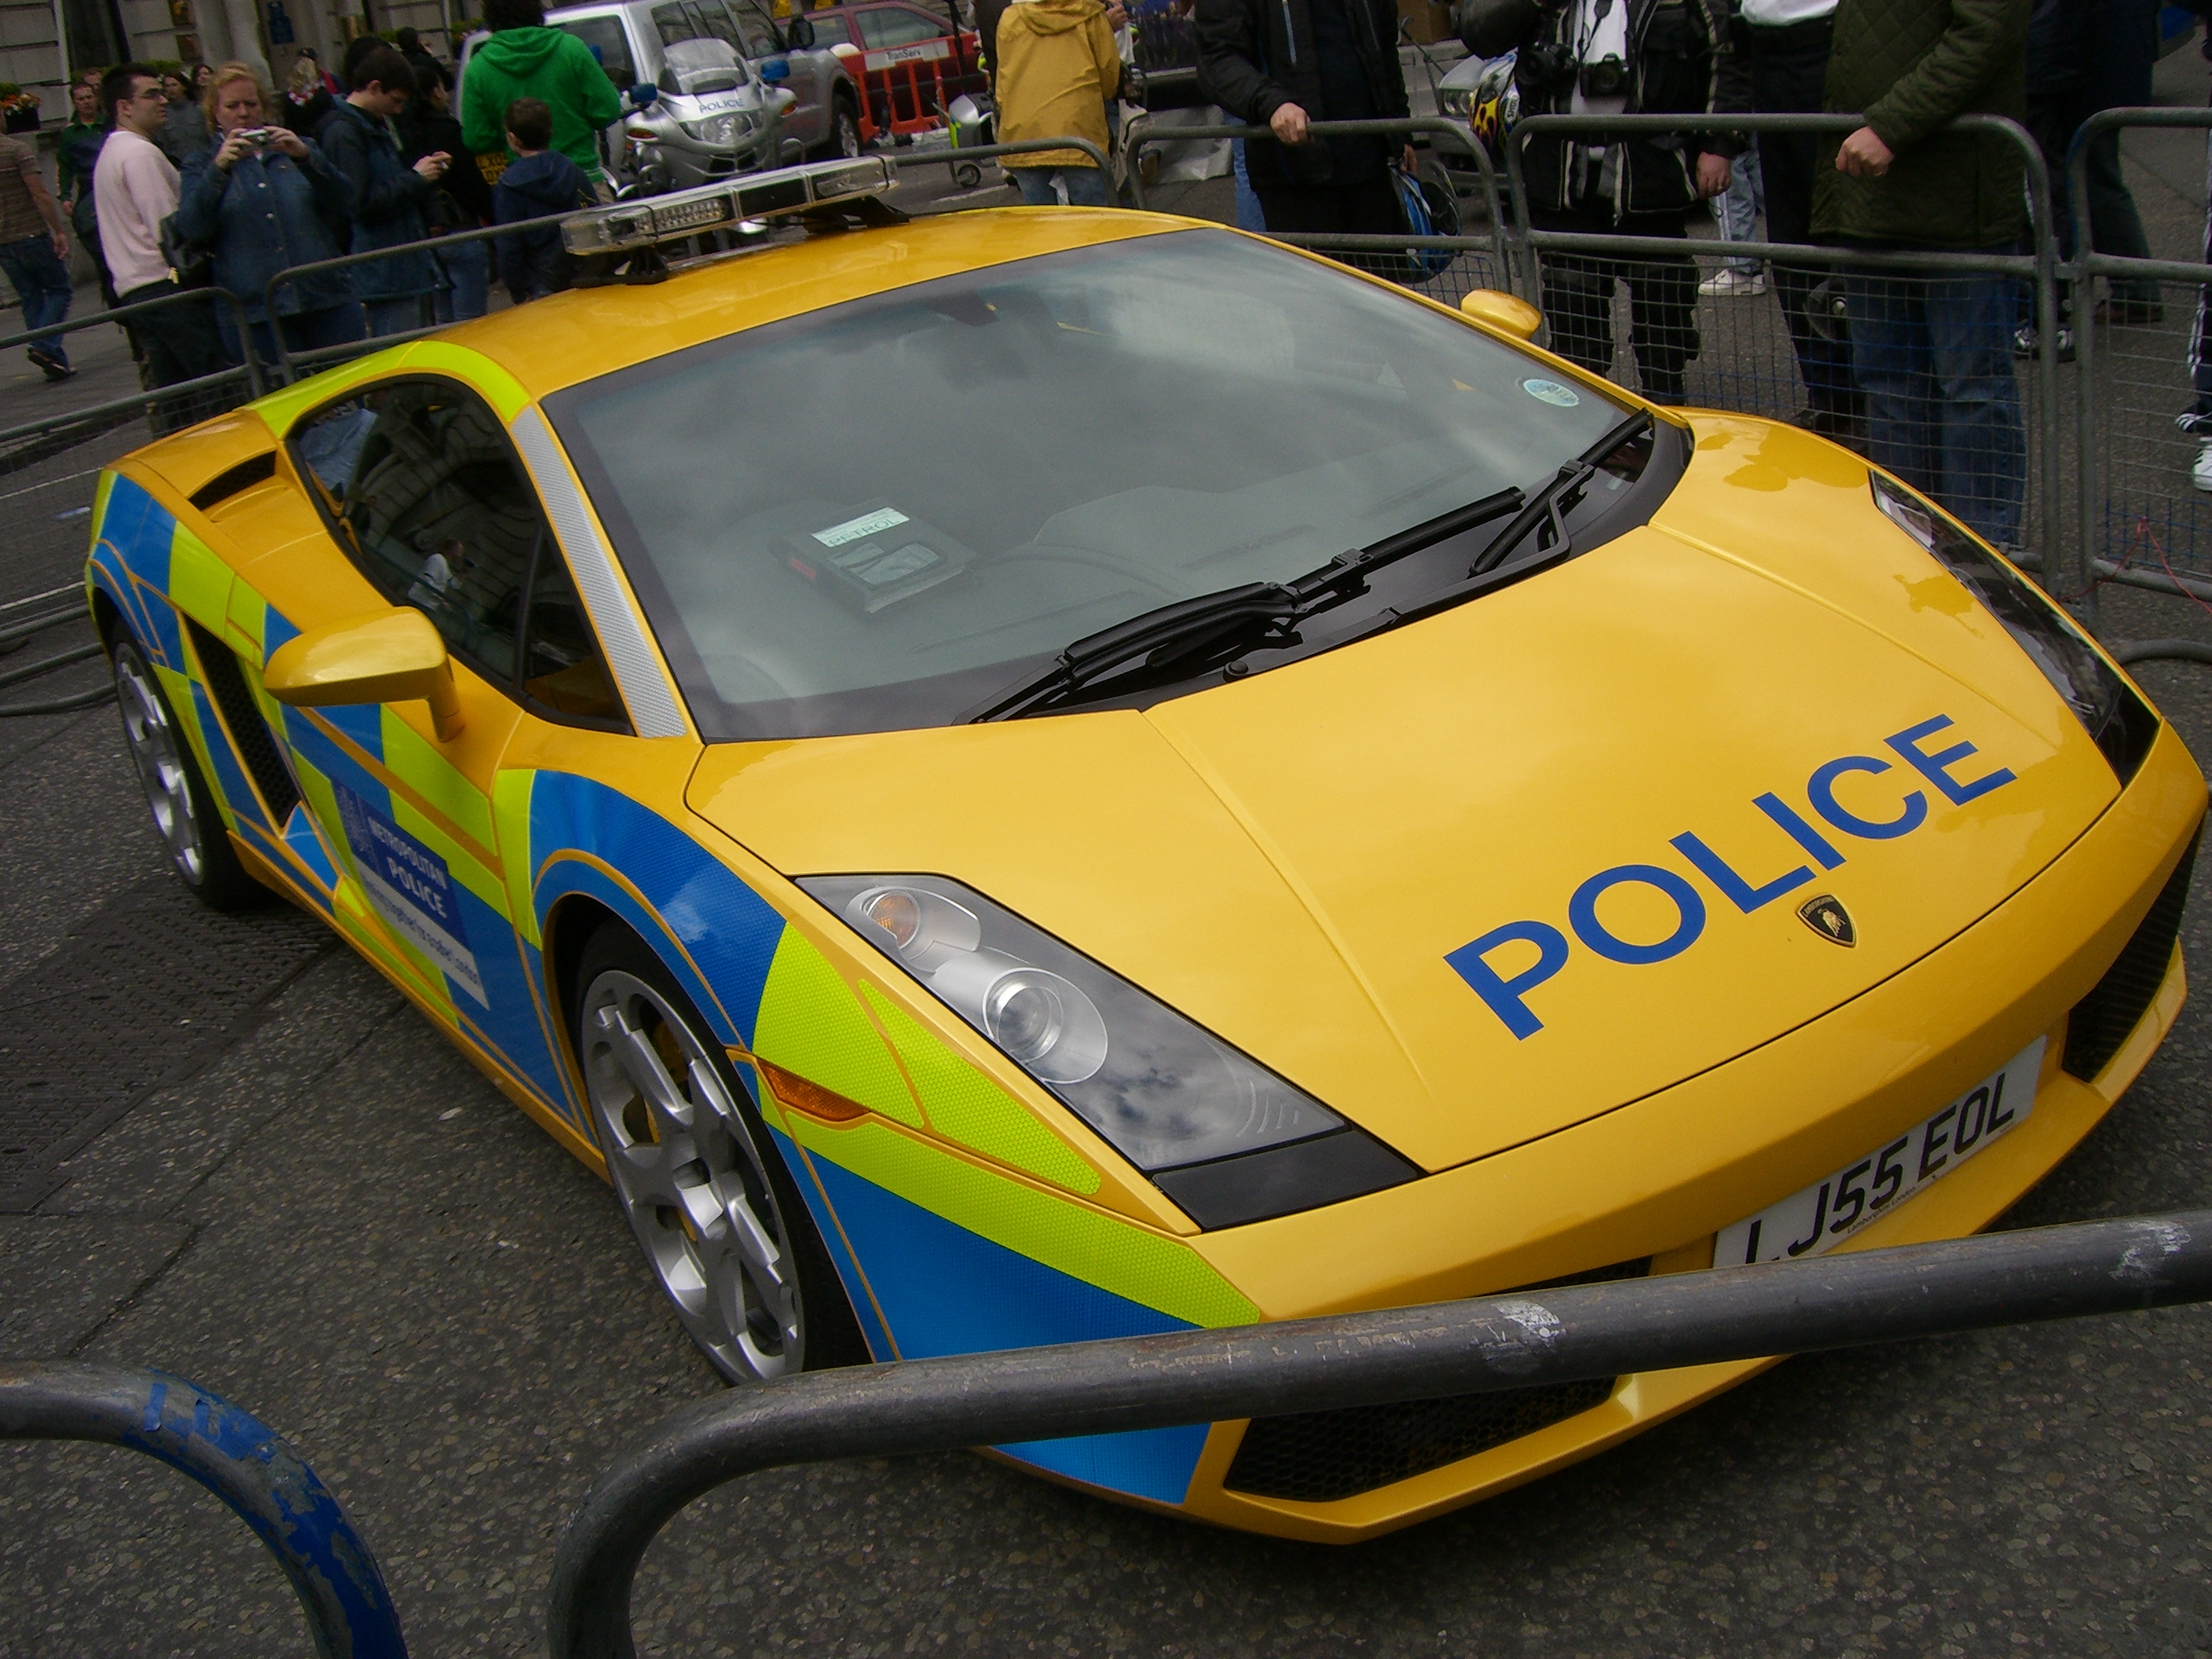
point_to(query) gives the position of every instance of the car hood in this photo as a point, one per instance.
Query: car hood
(1505, 869)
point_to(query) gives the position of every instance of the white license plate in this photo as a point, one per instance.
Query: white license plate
(1829, 1212)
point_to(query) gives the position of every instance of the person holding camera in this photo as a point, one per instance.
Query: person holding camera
(1616, 57)
(264, 198)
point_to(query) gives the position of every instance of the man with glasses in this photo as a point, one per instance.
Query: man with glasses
(134, 188)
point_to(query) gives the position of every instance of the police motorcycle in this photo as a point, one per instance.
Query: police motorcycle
(710, 116)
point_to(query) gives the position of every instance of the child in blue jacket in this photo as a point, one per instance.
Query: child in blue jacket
(538, 181)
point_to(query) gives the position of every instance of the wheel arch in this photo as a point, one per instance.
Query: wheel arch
(569, 928)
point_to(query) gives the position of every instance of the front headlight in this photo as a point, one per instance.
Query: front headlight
(2121, 723)
(718, 128)
(1455, 101)
(1224, 1137)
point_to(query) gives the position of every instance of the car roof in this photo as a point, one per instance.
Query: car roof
(579, 335)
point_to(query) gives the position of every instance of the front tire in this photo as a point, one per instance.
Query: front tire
(844, 139)
(185, 815)
(698, 1179)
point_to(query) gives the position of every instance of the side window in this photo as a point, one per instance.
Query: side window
(895, 26)
(562, 669)
(760, 37)
(829, 30)
(676, 23)
(435, 511)
(603, 37)
(431, 504)
(719, 25)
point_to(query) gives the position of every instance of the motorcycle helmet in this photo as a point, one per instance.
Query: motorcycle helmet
(1430, 209)
(1494, 106)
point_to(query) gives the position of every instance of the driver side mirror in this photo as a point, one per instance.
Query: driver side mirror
(800, 33)
(1507, 312)
(394, 655)
(644, 96)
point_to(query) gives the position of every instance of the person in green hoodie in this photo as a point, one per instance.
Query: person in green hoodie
(524, 58)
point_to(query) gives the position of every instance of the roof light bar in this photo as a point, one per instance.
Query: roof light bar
(755, 195)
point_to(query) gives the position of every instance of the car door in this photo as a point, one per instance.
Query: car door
(884, 28)
(425, 499)
(761, 41)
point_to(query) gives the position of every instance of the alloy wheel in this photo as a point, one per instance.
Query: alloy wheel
(690, 1178)
(152, 744)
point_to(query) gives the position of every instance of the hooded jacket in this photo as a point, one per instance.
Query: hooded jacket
(1256, 56)
(1913, 66)
(545, 63)
(533, 262)
(1056, 66)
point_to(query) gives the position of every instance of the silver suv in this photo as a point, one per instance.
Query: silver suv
(721, 70)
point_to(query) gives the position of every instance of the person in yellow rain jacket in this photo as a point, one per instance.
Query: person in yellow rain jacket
(1056, 67)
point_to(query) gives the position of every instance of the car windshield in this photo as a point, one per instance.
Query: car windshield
(701, 66)
(876, 515)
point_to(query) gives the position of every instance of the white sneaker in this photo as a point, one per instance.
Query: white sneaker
(1727, 284)
(2201, 474)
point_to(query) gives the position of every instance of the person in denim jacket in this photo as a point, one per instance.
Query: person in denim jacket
(388, 195)
(262, 199)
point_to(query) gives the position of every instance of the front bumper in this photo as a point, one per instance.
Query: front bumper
(1660, 1176)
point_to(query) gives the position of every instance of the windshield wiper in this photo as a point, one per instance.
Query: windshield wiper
(1176, 633)
(1548, 507)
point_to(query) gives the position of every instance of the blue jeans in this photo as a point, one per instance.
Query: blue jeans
(1933, 357)
(396, 316)
(42, 283)
(1736, 209)
(305, 330)
(1087, 186)
(1248, 214)
(467, 266)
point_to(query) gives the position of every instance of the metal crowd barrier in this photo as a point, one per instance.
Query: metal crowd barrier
(289, 362)
(247, 1465)
(1869, 271)
(46, 490)
(1523, 1340)
(1363, 251)
(2136, 500)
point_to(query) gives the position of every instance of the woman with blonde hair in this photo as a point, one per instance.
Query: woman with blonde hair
(307, 99)
(262, 200)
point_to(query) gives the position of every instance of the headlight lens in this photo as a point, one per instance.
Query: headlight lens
(2121, 723)
(718, 128)
(1455, 101)
(1225, 1138)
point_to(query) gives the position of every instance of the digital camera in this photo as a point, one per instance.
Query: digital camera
(1545, 66)
(1606, 78)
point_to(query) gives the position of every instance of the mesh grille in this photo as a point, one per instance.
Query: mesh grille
(1318, 1457)
(249, 733)
(2100, 1022)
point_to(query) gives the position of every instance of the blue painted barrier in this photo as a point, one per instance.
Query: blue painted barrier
(234, 1456)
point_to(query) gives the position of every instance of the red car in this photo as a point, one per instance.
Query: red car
(893, 28)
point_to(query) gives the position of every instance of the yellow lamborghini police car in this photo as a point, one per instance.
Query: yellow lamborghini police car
(1041, 775)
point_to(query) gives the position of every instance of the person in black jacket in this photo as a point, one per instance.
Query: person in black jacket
(1286, 63)
(463, 200)
(1612, 58)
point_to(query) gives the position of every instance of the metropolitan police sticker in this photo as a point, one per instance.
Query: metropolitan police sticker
(410, 888)
(1551, 392)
